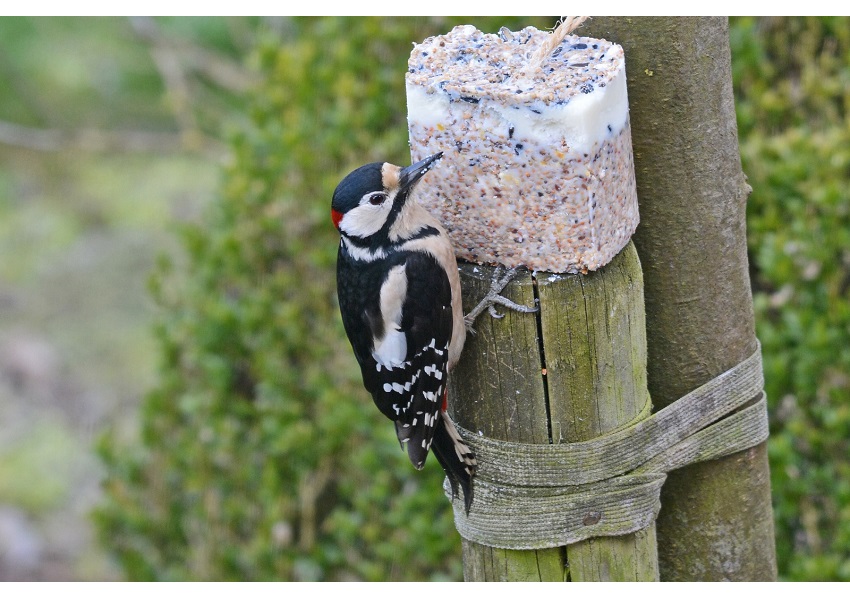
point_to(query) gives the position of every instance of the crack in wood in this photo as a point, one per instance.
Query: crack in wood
(538, 317)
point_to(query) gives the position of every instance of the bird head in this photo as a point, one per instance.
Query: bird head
(369, 199)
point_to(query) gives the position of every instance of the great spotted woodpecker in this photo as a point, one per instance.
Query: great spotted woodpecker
(400, 299)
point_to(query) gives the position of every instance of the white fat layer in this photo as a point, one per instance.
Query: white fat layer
(441, 249)
(391, 349)
(426, 109)
(581, 123)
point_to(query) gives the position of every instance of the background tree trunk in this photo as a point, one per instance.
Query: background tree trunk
(716, 521)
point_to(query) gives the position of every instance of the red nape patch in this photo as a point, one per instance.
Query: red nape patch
(336, 217)
(445, 400)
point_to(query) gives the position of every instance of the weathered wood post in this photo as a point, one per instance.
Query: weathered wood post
(717, 521)
(575, 372)
(537, 171)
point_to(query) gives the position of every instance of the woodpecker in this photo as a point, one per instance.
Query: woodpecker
(400, 301)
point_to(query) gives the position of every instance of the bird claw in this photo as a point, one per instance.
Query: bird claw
(494, 297)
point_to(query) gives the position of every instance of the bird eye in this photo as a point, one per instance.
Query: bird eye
(376, 199)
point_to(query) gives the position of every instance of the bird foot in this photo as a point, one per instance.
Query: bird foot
(497, 284)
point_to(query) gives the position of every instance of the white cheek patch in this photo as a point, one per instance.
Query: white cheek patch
(366, 219)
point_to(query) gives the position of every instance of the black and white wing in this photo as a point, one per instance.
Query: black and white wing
(411, 351)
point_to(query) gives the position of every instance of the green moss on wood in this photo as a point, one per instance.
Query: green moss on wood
(483, 563)
(625, 558)
(570, 374)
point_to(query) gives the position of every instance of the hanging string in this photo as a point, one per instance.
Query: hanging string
(567, 26)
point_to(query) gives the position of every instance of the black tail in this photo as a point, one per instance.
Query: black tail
(455, 457)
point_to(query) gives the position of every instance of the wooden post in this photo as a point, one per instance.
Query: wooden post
(571, 373)
(716, 521)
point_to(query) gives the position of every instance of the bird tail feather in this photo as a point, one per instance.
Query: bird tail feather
(457, 460)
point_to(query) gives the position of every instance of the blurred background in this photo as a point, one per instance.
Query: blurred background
(177, 398)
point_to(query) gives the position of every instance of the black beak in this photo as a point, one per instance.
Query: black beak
(408, 176)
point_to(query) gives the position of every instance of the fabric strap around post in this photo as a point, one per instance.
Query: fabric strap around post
(531, 496)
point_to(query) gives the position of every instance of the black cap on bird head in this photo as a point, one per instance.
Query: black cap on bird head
(369, 198)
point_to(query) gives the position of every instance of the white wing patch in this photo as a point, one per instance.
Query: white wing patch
(391, 349)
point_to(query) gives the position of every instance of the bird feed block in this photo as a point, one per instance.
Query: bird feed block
(538, 168)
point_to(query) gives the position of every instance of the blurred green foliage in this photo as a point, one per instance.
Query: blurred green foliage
(100, 72)
(79, 233)
(57, 69)
(792, 82)
(263, 458)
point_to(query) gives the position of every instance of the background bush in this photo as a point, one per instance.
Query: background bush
(95, 168)
(261, 456)
(792, 81)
